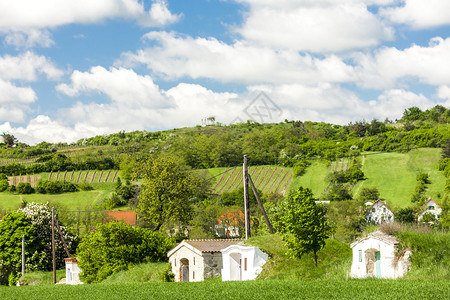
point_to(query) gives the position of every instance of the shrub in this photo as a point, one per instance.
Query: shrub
(84, 186)
(115, 246)
(423, 178)
(55, 187)
(3, 185)
(24, 188)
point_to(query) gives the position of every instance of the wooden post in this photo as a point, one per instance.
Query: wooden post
(261, 207)
(53, 245)
(23, 255)
(62, 238)
(246, 200)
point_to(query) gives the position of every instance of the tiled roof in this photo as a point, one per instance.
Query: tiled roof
(212, 245)
(129, 217)
(232, 217)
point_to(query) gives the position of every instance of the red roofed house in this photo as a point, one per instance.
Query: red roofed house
(379, 213)
(229, 224)
(128, 217)
(430, 207)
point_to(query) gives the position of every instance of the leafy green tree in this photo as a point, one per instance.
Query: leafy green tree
(113, 247)
(405, 215)
(34, 222)
(169, 189)
(305, 223)
(369, 194)
(337, 192)
(446, 149)
(12, 227)
(412, 114)
(25, 188)
(10, 140)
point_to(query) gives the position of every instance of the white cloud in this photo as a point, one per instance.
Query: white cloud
(29, 38)
(27, 14)
(430, 65)
(392, 103)
(320, 26)
(120, 85)
(26, 67)
(419, 14)
(178, 56)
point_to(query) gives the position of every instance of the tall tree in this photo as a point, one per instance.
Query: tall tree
(168, 192)
(305, 223)
(446, 149)
(10, 140)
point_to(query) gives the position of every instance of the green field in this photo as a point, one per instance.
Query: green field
(393, 174)
(73, 200)
(259, 289)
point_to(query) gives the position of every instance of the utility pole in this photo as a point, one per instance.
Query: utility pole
(261, 207)
(246, 200)
(53, 245)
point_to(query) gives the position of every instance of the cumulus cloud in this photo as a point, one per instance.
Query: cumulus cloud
(27, 66)
(28, 14)
(430, 65)
(120, 85)
(29, 38)
(177, 56)
(322, 26)
(419, 14)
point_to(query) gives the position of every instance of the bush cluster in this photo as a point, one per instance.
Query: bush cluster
(55, 187)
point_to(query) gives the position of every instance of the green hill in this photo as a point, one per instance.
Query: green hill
(393, 174)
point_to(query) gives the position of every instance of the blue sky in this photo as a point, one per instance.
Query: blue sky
(72, 69)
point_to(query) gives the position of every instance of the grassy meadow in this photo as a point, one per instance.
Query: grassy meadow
(259, 289)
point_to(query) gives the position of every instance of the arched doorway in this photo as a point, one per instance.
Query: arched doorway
(184, 269)
(373, 264)
(235, 266)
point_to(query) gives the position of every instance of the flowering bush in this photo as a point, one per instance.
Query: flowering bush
(34, 223)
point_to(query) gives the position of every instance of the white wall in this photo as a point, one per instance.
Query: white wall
(196, 264)
(242, 262)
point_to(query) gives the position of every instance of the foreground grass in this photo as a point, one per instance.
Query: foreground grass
(139, 273)
(260, 289)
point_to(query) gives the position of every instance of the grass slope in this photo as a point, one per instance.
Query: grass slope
(333, 260)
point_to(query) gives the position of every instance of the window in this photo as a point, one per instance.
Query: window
(360, 255)
(193, 274)
(194, 261)
(175, 261)
(373, 209)
(384, 209)
(430, 207)
(245, 264)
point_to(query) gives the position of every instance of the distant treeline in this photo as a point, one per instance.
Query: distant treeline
(58, 162)
(284, 143)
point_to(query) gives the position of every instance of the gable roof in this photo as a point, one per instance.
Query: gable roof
(129, 217)
(384, 204)
(429, 199)
(205, 246)
(378, 235)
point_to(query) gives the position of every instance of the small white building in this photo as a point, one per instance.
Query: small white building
(379, 213)
(195, 260)
(242, 262)
(432, 207)
(375, 256)
(72, 271)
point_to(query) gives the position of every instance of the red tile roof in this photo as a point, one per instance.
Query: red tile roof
(129, 217)
(232, 217)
